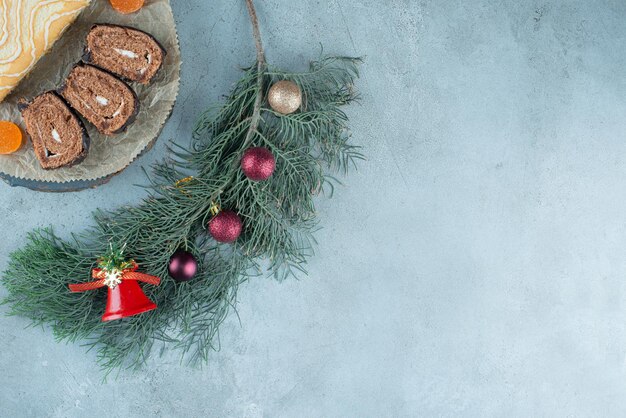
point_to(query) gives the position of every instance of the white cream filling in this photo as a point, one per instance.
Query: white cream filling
(119, 109)
(126, 53)
(56, 136)
(149, 60)
(103, 101)
(50, 154)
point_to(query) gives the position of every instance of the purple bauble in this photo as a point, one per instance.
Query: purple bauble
(258, 163)
(182, 266)
(226, 226)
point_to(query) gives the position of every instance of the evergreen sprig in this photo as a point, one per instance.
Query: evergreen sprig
(114, 259)
(278, 215)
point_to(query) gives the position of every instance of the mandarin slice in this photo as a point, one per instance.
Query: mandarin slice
(10, 137)
(127, 6)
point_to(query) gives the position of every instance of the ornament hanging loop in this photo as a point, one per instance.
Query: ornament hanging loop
(214, 209)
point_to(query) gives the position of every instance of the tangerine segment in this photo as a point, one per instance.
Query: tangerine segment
(10, 137)
(127, 6)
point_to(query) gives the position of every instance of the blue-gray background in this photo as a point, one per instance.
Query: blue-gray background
(476, 263)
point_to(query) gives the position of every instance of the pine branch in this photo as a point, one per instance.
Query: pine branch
(260, 56)
(279, 220)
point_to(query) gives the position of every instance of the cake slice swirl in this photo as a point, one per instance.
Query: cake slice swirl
(103, 99)
(129, 53)
(58, 135)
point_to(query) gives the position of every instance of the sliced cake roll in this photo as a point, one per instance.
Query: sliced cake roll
(129, 53)
(58, 135)
(103, 99)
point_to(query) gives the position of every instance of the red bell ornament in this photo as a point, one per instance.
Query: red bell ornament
(125, 297)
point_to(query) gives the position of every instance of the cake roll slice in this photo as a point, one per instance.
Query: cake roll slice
(129, 53)
(103, 99)
(58, 135)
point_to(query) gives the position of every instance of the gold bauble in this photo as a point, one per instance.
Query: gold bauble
(285, 97)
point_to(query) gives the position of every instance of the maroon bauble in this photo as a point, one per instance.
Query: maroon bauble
(182, 266)
(258, 163)
(225, 226)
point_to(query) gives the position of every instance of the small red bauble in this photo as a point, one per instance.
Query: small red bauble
(182, 266)
(225, 226)
(258, 163)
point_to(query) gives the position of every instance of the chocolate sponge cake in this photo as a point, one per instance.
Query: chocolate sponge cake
(129, 53)
(58, 136)
(103, 99)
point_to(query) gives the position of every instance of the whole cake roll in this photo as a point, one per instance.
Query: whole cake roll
(103, 99)
(58, 135)
(127, 52)
(29, 29)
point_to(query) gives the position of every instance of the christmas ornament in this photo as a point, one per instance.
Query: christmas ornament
(225, 226)
(10, 137)
(125, 297)
(182, 266)
(285, 97)
(126, 6)
(258, 163)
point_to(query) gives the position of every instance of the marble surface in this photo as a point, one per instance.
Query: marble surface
(475, 265)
